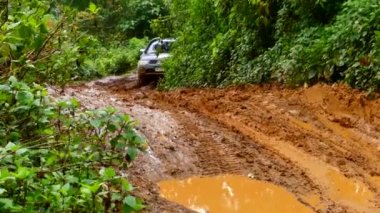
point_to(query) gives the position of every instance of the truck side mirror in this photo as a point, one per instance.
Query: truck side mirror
(142, 51)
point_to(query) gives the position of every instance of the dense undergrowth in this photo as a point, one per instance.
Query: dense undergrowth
(54, 155)
(58, 158)
(291, 41)
(57, 42)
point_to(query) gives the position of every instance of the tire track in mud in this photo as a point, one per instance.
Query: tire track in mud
(315, 169)
(311, 129)
(309, 141)
(256, 120)
(232, 153)
(210, 152)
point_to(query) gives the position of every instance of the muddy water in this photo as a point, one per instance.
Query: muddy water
(315, 201)
(230, 194)
(321, 143)
(349, 190)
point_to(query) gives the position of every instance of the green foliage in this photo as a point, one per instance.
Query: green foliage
(39, 42)
(56, 157)
(340, 50)
(121, 19)
(114, 59)
(23, 112)
(49, 42)
(217, 37)
(292, 41)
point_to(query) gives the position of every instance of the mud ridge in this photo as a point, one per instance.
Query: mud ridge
(308, 140)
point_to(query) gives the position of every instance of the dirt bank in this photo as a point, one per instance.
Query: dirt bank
(321, 143)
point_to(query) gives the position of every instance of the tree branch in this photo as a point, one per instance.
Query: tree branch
(47, 40)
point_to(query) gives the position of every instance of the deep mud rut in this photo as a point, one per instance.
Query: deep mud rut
(322, 143)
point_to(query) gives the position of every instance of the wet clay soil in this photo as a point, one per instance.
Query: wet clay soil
(321, 144)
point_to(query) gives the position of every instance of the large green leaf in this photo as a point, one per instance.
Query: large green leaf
(108, 173)
(131, 203)
(126, 185)
(93, 8)
(22, 173)
(132, 153)
(25, 97)
(6, 203)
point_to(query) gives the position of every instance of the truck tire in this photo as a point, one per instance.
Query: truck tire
(141, 79)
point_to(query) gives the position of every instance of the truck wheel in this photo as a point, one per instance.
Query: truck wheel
(141, 79)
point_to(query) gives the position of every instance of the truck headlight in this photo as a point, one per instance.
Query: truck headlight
(143, 63)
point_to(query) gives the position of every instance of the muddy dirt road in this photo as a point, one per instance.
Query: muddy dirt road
(322, 144)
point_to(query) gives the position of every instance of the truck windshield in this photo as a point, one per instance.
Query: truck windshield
(160, 46)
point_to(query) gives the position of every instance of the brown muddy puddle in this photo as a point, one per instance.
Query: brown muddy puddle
(349, 190)
(346, 191)
(230, 194)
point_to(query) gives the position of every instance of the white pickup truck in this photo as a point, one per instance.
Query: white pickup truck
(149, 66)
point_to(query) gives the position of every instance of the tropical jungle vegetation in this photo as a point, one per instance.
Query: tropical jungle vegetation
(57, 157)
(296, 42)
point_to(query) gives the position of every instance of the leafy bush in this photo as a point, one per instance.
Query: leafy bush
(340, 50)
(122, 19)
(58, 158)
(292, 41)
(38, 42)
(50, 42)
(116, 59)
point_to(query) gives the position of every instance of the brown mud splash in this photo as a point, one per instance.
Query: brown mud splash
(322, 144)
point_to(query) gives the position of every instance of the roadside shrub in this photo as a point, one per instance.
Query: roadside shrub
(56, 157)
(293, 41)
(54, 43)
(117, 59)
(215, 38)
(341, 50)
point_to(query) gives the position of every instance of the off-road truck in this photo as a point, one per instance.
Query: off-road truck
(149, 66)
